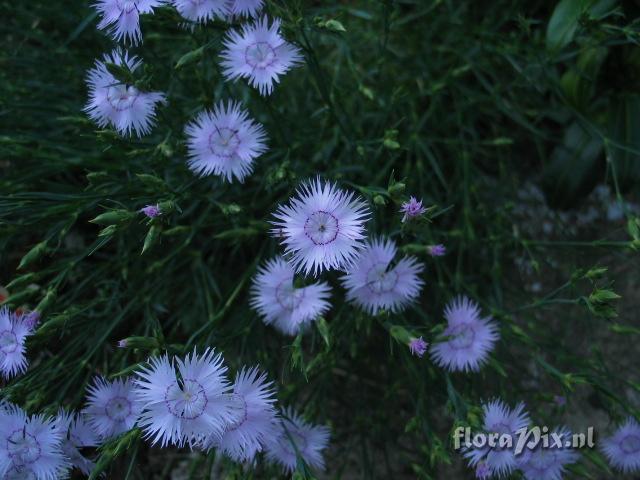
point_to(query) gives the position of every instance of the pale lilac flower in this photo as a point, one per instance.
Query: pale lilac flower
(322, 228)
(31, 319)
(111, 408)
(438, 250)
(30, 447)
(245, 8)
(122, 343)
(122, 17)
(187, 407)
(289, 309)
(623, 447)
(500, 419)
(14, 330)
(224, 142)
(547, 463)
(374, 284)
(253, 422)
(412, 209)
(76, 435)
(151, 211)
(417, 347)
(122, 106)
(201, 10)
(260, 54)
(297, 438)
(470, 337)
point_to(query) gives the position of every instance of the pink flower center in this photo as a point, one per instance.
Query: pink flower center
(321, 227)
(260, 55)
(186, 402)
(126, 6)
(462, 336)
(239, 405)
(288, 296)
(630, 444)
(380, 280)
(121, 97)
(8, 342)
(23, 448)
(224, 142)
(118, 409)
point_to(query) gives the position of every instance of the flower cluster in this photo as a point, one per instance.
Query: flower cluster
(500, 461)
(182, 401)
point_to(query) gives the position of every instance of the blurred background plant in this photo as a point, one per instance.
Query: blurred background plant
(518, 121)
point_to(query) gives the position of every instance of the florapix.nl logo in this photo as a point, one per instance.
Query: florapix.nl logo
(529, 438)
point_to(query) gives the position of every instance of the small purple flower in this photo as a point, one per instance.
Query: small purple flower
(374, 285)
(122, 17)
(14, 331)
(32, 319)
(417, 347)
(122, 343)
(289, 309)
(189, 406)
(111, 408)
(30, 447)
(547, 463)
(469, 337)
(623, 447)
(309, 441)
(254, 418)
(122, 106)
(260, 54)
(245, 8)
(151, 211)
(438, 250)
(322, 228)
(499, 419)
(77, 434)
(412, 209)
(224, 142)
(200, 10)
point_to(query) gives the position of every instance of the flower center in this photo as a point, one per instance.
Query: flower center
(118, 409)
(293, 434)
(23, 448)
(463, 336)
(127, 6)
(288, 296)
(223, 142)
(630, 444)
(239, 406)
(122, 97)
(321, 227)
(259, 55)
(186, 402)
(8, 342)
(380, 280)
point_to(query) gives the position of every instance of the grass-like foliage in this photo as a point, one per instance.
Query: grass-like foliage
(409, 216)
